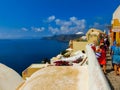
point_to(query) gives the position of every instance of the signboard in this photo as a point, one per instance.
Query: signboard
(116, 29)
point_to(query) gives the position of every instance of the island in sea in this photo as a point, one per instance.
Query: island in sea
(64, 37)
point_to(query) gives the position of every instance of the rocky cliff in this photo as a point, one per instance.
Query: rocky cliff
(64, 37)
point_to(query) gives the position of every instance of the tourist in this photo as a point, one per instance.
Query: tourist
(112, 48)
(114, 42)
(102, 58)
(106, 43)
(115, 52)
(119, 69)
(111, 51)
(102, 41)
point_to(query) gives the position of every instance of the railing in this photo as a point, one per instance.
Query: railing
(97, 79)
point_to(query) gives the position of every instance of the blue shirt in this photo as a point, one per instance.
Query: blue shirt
(113, 47)
(114, 42)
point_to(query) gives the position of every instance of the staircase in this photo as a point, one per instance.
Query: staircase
(109, 62)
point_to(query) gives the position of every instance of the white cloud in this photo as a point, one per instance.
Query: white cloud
(24, 29)
(96, 25)
(53, 30)
(58, 21)
(73, 18)
(38, 29)
(63, 22)
(72, 25)
(99, 26)
(79, 33)
(51, 18)
(64, 30)
(59, 26)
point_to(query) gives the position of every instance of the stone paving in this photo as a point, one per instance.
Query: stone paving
(113, 80)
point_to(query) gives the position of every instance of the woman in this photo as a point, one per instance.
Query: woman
(102, 58)
(115, 51)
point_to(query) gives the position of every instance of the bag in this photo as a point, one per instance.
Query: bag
(98, 54)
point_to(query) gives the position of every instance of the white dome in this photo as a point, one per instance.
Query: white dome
(116, 14)
(58, 78)
(9, 79)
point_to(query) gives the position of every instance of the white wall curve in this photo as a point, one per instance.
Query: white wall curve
(97, 79)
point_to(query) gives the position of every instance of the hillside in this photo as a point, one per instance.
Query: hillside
(63, 37)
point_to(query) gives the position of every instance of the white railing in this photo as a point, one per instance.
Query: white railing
(97, 79)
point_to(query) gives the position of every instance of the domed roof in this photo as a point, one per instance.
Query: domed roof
(9, 79)
(58, 78)
(94, 31)
(116, 14)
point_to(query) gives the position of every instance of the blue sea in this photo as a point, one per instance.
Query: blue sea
(18, 54)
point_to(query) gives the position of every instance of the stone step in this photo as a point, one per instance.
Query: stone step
(107, 51)
(108, 61)
(109, 68)
(109, 64)
(113, 80)
(108, 55)
(108, 58)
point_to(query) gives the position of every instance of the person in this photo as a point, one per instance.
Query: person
(102, 58)
(119, 69)
(115, 58)
(102, 41)
(114, 42)
(106, 43)
(111, 51)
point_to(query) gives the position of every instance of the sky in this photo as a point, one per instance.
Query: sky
(39, 18)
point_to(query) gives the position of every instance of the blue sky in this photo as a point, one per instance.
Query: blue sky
(38, 18)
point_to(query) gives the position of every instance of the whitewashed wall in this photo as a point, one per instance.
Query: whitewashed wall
(9, 79)
(97, 80)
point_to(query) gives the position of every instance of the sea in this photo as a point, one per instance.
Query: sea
(18, 54)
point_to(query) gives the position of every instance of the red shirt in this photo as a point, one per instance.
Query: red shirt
(94, 48)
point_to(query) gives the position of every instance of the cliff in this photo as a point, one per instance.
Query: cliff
(64, 37)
